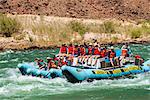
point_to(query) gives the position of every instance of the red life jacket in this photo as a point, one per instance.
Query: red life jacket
(103, 53)
(55, 59)
(63, 49)
(82, 50)
(90, 50)
(63, 63)
(124, 52)
(112, 54)
(49, 64)
(70, 50)
(59, 63)
(137, 56)
(96, 51)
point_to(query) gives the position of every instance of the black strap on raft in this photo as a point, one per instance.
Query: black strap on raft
(111, 72)
(107, 72)
(47, 75)
(140, 68)
(122, 70)
(93, 72)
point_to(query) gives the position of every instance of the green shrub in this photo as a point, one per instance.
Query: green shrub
(146, 27)
(144, 22)
(8, 26)
(114, 39)
(109, 27)
(64, 34)
(136, 33)
(106, 27)
(78, 27)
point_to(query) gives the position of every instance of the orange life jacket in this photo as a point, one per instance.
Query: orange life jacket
(82, 50)
(96, 51)
(90, 50)
(124, 52)
(112, 54)
(53, 65)
(63, 49)
(70, 49)
(103, 53)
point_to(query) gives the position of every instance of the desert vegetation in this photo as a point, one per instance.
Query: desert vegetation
(45, 30)
(8, 25)
(79, 27)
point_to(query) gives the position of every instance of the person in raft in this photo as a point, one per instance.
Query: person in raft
(42, 64)
(82, 50)
(63, 49)
(97, 50)
(76, 51)
(50, 63)
(138, 60)
(39, 63)
(56, 60)
(90, 49)
(112, 56)
(36, 61)
(70, 49)
(103, 52)
(124, 54)
(63, 61)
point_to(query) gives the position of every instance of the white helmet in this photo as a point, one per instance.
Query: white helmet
(111, 47)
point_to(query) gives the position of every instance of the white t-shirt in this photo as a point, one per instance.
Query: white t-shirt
(75, 61)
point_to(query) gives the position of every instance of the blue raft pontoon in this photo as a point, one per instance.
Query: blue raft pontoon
(32, 69)
(75, 74)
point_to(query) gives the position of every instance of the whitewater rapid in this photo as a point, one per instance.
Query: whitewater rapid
(14, 86)
(13, 83)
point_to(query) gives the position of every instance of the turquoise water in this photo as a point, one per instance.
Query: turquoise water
(14, 86)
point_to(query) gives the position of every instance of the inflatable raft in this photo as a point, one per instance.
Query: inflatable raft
(74, 74)
(32, 69)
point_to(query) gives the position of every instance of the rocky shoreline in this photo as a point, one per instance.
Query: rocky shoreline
(26, 45)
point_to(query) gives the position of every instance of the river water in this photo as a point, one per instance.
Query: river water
(14, 86)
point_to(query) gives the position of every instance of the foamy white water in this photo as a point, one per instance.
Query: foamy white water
(15, 83)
